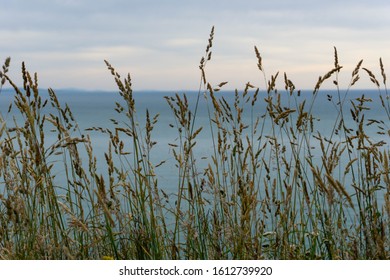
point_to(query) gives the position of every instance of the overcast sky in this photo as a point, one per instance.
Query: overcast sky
(161, 42)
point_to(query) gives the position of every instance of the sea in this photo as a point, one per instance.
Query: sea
(97, 109)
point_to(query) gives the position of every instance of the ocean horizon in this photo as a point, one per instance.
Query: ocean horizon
(99, 111)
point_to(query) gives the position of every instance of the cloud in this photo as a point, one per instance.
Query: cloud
(184, 42)
(161, 44)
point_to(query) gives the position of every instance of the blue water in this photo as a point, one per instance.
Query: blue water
(95, 109)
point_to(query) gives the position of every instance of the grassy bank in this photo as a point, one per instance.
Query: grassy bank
(265, 194)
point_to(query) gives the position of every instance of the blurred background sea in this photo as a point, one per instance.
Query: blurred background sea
(97, 108)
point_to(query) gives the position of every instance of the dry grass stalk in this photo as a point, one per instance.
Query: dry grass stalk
(271, 188)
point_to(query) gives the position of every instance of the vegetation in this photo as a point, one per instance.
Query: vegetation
(265, 193)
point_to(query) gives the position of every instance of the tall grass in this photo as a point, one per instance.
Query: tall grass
(274, 186)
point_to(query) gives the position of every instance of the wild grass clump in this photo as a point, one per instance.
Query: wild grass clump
(277, 184)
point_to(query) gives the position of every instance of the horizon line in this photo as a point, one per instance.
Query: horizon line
(189, 90)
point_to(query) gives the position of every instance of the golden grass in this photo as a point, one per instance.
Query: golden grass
(265, 193)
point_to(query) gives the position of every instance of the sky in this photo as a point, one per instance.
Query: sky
(160, 43)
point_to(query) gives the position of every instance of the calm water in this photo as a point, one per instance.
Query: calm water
(95, 109)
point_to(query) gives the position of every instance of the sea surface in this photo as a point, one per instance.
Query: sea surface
(97, 108)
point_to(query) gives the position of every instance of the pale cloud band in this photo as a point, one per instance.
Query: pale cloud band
(161, 42)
